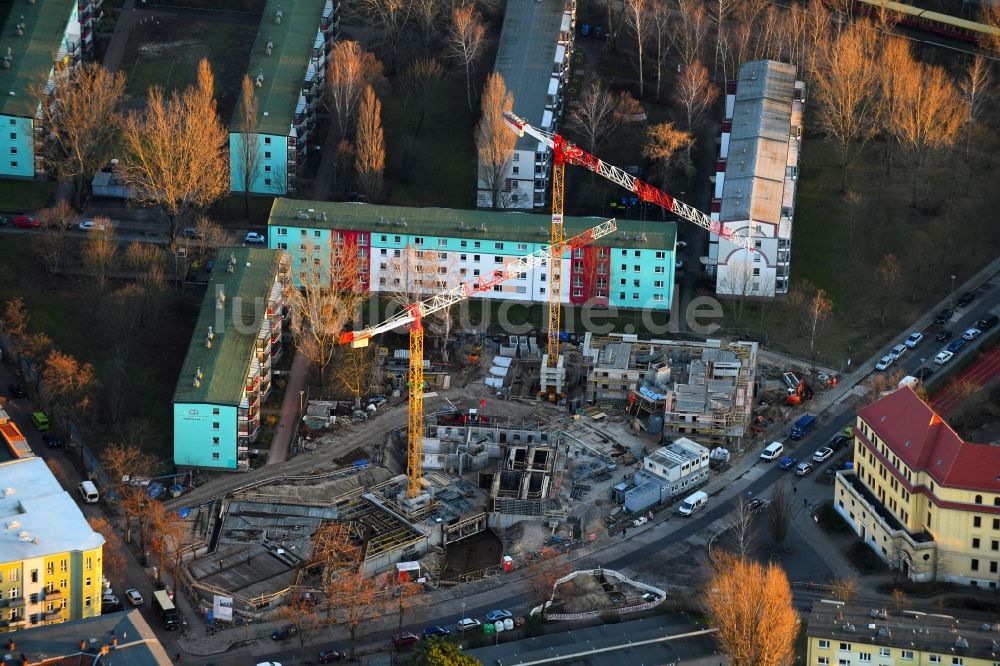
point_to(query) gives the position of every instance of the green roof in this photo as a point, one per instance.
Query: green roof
(455, 223)
(33, 52)
(224, 366)
(285, 69)
(525, 55)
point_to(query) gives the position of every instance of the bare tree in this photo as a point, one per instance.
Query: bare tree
(594, 116)
(350, 72)
(975, 89)
(924, 116)
(695, 94)
(53, 245)
(845, 589)
(890, 274)
(78, 114)
(353, 373)
(779, 512)
(113, 551)
(817, 36)
(989, 14)
(719, 12)
(752, 606)
(494, 140)
(692, 29)
(418, 78)
(846, 87)
(389, 19)
(738, 284)
(466, 39)
(895, 61)
(742, 528)
(662, 34)
(324, 301)
(429, 14)
(369, 156)
(637, 21)
(817, 316)
(210, 235)
(669, 148)
(248, 141)
(176, 151)
(99, 252)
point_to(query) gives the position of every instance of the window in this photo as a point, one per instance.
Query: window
(637, 268)
(993, 567)
(996, 523)
(395, 253)
(475, 257)
(215, 456)
(267, 168)
(661, 255)
(956, 661)
(516, 170)
(442, 242)
(522, 247)
(418, 241)
(975, 543)
(658, 269)
(635, 283)
(497, 259)
(934, 659)
(442, 255)
(13, 136)
(475, 272)
(823, 661)
(845, 647)
(13, 164)
(635, 296)
(578, 293)
(756, 272)
(976, 521)
(383, 253)
(658, 298)
(215, 441)
(267, 154)
(475, 245)
(824, 644)
(215, 411)
(34, 575)
(907, 655)
(994, 545)
(13, 151)
(624, 267)
(979, 499)
(974, 564)
(464, 244)
(215, 425)
(884, 652)
(658, 284)
(865, 657)
(267, 141)
(621, 295)
(63, 566)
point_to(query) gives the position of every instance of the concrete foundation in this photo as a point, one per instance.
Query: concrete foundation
(411, 505)
(553, 380)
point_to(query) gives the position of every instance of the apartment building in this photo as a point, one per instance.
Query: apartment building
(700, 390)
(226, 375)
(40, 40)
(533, 55)
(288, 67)
(671, 470)
(424, 250)
(50, 559)
(846, 635)
(755, 179)
(925, 500)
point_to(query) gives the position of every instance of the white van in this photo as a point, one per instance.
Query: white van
(772, 451)
(693, 503)
(88, 491)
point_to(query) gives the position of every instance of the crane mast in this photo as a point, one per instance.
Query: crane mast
(414, 314)
(566, 152)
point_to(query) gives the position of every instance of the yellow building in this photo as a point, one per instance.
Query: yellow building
(50, 559)
(842, 635)
(923, 499)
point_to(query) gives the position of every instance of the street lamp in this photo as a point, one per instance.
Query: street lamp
(952, 296)
(301, 399)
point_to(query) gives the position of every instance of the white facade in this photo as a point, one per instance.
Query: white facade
(755, 179)
(678, 460)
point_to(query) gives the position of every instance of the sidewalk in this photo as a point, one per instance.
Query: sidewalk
(291, 408)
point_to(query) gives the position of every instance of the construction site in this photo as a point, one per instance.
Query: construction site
(545, 440)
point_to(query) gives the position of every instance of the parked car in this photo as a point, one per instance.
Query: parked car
(90, 225)
(965, 299)
(253, 238)
(18, 390)
(923, 373)
(679, 264)
(944, 336)
(943, 357)
(192, 232)
(496, 615)
(110, 598)
(286, 632)
(598, 31)
(914, 340)
(329, 656)
(681, 245)
(755, 505)
(436, 630)
(467, 623)
(133, 596)
(955, 345)
(971, 334)
(822, 454)
(787, 462)
(897, 351)
(944, 316)
(884, 362)
(840, 441)
(404, 639)
(803, 468)
(26, 222)
(52, 441)
(986, 323)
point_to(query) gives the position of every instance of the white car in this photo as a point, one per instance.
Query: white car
(254, 238)
(90, 225)
(943, 357)
(913, 340)
(822, 454)
(885, 362)
(468, 623)
(897, 351)
(803, 468)
(971, 334)
(109, 598)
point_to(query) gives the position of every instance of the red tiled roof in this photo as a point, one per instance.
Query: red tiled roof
(922, 439)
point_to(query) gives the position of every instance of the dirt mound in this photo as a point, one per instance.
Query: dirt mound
(525, 537)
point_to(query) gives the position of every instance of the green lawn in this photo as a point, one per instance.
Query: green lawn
(25, 195)
(165, 52)
(63, 307)
(438, 166)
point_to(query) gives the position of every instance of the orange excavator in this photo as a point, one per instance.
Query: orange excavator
(802, 391)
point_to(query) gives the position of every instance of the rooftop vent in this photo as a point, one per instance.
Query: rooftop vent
(21, 25)
(260, 76)
(13, 525)
(482, 227)
(462, 225)
(278, 15)
(542, 231)
(320, 217)
(23, 536)
(961, 642)
(7, 61)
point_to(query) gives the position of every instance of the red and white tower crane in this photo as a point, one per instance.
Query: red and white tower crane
(414, 314)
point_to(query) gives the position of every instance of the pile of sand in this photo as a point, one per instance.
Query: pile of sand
(525, 537)
(582, 594)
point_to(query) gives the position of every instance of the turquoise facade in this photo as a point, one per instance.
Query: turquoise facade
(205, 435)
(628, 266)
(17, 147)
(272, 158)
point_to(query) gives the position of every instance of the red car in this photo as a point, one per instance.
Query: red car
(26, 222)
(404, 639)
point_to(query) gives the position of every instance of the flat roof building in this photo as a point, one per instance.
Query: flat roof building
(925, 500)
(536, 45)
(226, 374)
(49, 555)
(755, 179)
(288, 67)
(41, 39)
(425, 250)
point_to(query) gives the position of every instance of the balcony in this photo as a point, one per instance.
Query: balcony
(861, 493)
